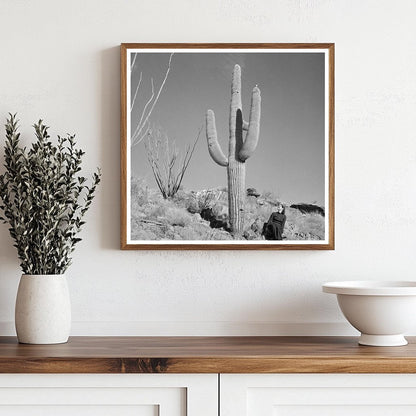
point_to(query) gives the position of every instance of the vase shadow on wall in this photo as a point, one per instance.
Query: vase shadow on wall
(109, 101)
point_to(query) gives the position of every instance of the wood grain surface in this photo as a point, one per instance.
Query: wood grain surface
(206, 355)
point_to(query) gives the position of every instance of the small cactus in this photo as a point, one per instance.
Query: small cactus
(239, 149)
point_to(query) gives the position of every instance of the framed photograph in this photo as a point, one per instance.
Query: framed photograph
(227, 146)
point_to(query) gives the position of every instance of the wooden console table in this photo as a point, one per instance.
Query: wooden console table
(206, 355)
(206, 376)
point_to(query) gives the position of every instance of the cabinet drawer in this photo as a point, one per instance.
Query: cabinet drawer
(108, 395)
(318, 394)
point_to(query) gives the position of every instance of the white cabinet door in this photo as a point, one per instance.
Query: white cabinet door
(318, 394)
(109, 395)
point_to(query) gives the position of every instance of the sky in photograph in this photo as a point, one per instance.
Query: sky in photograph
(289, 159)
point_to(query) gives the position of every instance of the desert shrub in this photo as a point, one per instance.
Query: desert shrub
(207, 199)
(157, 211)
(304, 226)
(177, 216)
(139, 233)
(202, 231)
(181, 198)
(139, 192)
(191, 205)
(220, 210)
(167, 163)
(187, 233)
(201, 200)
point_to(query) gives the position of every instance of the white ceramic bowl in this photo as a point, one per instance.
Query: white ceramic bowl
(381, 311)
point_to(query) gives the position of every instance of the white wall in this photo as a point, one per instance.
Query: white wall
(60, 61)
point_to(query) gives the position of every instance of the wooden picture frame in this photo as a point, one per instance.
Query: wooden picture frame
(297, 92)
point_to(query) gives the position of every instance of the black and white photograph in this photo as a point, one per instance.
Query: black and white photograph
(227, 147)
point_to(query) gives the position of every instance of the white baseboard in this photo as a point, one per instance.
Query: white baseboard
(201, 328)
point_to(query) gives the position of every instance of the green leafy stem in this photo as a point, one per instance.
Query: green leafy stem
(44, 198)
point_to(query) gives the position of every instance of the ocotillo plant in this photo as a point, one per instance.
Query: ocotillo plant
(239, 149)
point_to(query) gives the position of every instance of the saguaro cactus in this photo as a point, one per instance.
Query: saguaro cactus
(239, 149)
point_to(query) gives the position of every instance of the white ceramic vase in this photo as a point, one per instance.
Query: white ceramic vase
(43, 309)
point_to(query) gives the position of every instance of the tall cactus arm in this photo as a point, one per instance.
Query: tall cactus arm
(214, 147)
(250, 143)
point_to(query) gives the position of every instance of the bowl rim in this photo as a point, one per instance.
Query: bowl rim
(371, 288)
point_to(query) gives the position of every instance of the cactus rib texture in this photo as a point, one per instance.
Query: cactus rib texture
(214, 147)
(239, 149)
